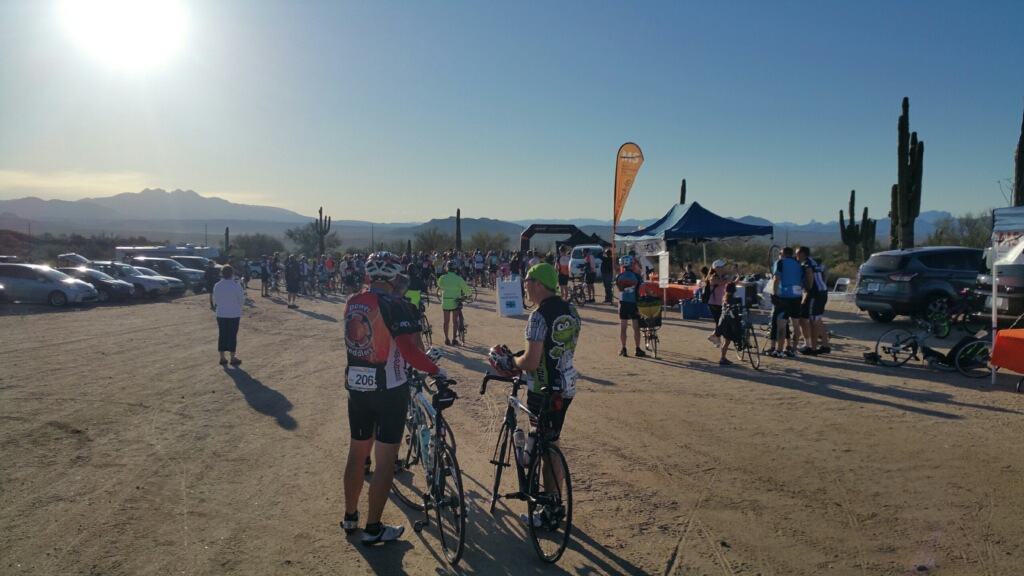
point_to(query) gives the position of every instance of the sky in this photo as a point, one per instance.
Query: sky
(401, 111)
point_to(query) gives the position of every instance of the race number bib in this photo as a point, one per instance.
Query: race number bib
(569, 378)
(362, 379)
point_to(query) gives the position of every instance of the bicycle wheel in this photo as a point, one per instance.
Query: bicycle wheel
(410, 483)
(653, 336)
(577, 296)
(971, 324)
(750, 347)
(501, 461)
(427, 331)
(460, 329)
(896, 347)
(469, 299)
(450, 506)
(973, 359)
(550, 505)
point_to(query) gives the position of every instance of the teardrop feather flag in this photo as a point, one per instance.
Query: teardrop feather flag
(627, 163)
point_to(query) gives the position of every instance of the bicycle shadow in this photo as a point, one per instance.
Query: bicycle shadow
(317, 316)
(263, 399)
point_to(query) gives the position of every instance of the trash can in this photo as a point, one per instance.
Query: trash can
(691, 309)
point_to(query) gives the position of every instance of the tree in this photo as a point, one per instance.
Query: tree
(971, 230)
(256, 245)
(307, 240)
(432, 239)
(485, 241)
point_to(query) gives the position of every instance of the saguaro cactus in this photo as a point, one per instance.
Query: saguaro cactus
(682, 192)
(227, 241)
(458, 229)
(850, 233)
(910, 160)
(323, 228)
(894, 218)
(867, 234)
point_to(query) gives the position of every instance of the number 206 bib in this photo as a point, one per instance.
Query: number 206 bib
(362, 379)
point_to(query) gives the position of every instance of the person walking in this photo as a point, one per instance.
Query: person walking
(629, 283)
(228, 298)
(715, 281)
(381, 341)
(453, 288)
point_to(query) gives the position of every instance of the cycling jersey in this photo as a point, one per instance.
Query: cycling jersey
(563, 264)
(556, 323)
(372, 322)
(628, 283)
(452, 287)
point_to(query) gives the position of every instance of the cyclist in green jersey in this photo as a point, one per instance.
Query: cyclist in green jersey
(453, 287)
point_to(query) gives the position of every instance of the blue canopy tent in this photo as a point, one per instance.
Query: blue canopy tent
(694, 223)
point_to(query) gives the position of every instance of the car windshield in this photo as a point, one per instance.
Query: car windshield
(884, 262)
(129, 270)
(97, 274)
(146, 271)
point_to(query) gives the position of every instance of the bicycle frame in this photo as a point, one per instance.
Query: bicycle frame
(516, 405)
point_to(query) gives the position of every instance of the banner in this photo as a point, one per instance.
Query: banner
(627, 163)
(649, 247)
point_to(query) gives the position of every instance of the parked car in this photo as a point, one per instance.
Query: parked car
(108, 288)
(577, 262)
(3, 293)
(171, 268)
(144, 285)
(177, 287)
(34, 283)
(196, 262)
(909, 282)
(1009, 300)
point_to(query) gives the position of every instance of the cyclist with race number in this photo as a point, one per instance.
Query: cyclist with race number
(381, 342)
(453, 288)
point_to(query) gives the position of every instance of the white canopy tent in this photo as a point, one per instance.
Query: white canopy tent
(1007, 248)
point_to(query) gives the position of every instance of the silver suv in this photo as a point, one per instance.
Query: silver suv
(144, 285)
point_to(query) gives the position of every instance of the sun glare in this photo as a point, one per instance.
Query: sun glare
(128, 34)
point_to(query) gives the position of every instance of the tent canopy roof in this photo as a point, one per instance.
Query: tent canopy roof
(693, 222)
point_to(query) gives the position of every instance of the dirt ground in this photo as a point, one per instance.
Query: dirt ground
(128, 450)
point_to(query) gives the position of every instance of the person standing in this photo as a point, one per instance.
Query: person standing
(381, 341)
(607, 267)
(265, 276)
(563, 270)
(229, 298)
(789, 291)
(552, 335)
(629, 284)
(292, 280)
(812, 304)
(210, 277)
(716, 281)
(591, 268)
(453, 288)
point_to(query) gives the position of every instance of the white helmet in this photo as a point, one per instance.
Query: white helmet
(626, 261)
(383, 266)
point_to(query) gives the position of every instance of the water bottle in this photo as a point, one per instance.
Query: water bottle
(519, 439)
(425, 445)
(529, 448)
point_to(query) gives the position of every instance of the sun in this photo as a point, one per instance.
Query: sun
(128, 34)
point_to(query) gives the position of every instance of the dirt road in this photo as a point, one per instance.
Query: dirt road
(128, 450)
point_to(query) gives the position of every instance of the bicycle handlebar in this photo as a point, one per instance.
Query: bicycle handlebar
(488, 377)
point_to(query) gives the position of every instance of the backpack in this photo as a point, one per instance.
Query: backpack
(705, 292)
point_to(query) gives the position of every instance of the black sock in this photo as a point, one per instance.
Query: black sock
(374, 528)
(352, 516)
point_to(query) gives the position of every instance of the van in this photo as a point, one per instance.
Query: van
(577, 261)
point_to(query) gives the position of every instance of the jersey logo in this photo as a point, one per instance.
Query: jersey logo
(358, 334)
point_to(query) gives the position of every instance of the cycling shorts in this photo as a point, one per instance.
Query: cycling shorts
(789, 307)
(550, 423)
(814, 307)
(451, 304)
(380, 414)
(628, 311)
(563, 279)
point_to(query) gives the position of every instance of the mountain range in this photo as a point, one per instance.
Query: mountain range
(185, 216)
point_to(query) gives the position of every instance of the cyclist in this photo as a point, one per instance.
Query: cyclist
(563, 270)
(453, 287)
(552, 334)
(629, 283)
(478, 268)
(381, 341)
(492, 268)
(416, 286)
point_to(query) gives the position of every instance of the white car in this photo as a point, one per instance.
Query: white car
(176, 286)
(144, 285)
(577, 262)
(34, 283)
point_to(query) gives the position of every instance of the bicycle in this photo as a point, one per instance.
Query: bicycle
(544, 481)
(946, 315)
(746, 343)
(436, 484)
(578, 294)
(649, 308)
(460, 322)
(898, 346)
(426, 330)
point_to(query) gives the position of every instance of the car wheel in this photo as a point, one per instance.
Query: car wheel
(881, 317)
(57, 298)
(103, 295)
(935, 305)
(154, 294)
(140, 291)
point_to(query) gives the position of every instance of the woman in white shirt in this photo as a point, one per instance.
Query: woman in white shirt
(229, 297)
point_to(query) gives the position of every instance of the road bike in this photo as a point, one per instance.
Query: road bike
(460, 322)
(544, 481)
(427, 476)
(945, 315)
(898, 346)
(426, 330)
(578, 294)
(650, 308)
(746, 342)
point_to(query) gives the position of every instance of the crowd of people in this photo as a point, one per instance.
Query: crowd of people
(382, 328)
